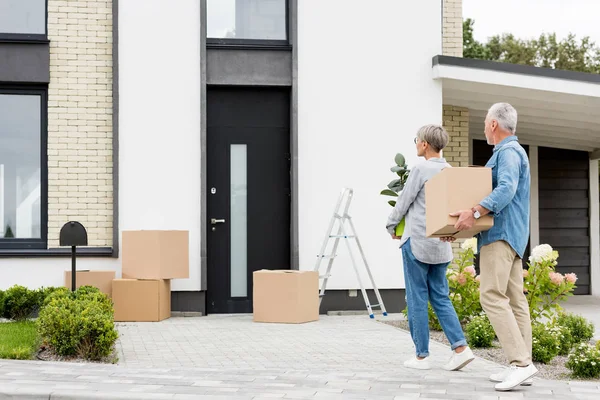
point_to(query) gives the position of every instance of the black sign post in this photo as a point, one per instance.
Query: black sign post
(73, 234)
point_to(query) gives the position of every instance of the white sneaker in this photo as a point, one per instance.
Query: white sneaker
(501, 377)
(459, 360)
(516, 376)
(415, 363)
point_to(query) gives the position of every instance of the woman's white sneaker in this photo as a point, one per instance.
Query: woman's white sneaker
(415, 363)
(459, 360)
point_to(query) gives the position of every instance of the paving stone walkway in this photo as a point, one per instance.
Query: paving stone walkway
(230, 357)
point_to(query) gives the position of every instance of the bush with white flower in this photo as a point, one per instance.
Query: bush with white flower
(544, 287)
(479, 331)
(546, 343)
(584, 361)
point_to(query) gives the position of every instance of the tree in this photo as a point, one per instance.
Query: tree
(569, 54)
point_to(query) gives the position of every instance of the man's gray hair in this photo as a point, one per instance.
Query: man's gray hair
(505, 114)
(435, 135)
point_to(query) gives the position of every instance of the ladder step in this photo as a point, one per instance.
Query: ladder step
(342, 236)
(324, 276)
(327, 256)
(322, 295)
(375, 305)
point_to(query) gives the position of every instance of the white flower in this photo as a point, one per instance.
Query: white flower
(543, 252)
(470, 244)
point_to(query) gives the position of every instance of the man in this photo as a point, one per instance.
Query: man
(502, 247)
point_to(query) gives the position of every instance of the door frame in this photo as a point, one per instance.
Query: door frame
(293, 40)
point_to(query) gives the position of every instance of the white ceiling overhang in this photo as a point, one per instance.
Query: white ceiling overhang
(556, 108)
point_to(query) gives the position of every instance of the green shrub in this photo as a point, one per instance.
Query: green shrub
(564, 337)
(1, 303)
(598, 345)
(54, 293)
(546, 344)
(78, 324)
(19, 302)
(584, 361)
(480, 332)
(582, 331)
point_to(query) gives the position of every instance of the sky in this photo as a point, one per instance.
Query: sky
(529, 18)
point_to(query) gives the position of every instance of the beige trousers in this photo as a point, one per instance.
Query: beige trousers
(504, 302)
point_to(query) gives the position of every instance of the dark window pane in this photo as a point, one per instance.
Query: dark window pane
(23, 16)
(247, 19)
(20, 166)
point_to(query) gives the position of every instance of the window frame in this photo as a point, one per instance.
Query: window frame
(254, 43)
(28, 37)
(42, 242)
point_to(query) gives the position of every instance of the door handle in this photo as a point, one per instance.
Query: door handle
(214, 221)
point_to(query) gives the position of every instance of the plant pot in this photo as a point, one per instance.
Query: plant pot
(400, 227)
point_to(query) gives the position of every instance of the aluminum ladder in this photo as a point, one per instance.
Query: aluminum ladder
(343, 203)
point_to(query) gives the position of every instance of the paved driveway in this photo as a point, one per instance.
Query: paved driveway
(231, 357)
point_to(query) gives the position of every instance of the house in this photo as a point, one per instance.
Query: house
(241, 121)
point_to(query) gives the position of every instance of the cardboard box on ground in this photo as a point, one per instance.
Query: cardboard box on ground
(100, 279)
(150, 260)
(452, 190)
(285, 296)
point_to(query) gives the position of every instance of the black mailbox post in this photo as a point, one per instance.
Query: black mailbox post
(73, 234)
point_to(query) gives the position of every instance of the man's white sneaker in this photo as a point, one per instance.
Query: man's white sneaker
(516, 376)
(415, 363)
(501, 377)
(459, 360)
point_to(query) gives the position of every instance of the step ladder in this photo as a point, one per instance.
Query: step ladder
(341, 216)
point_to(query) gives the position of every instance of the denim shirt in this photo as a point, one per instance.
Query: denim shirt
(509, 200)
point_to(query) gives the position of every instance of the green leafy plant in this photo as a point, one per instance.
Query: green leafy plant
(397, 185)
(8, 232)
(464, 282)
(480, 332)
(19, 302)
(584, 361)
(2, 303)
(546, 344)
(545, 288)
(78, 324)
(563, 335)
(581, 330)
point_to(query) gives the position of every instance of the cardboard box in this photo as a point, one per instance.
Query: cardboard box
(455, 189)
(100, 279)
(156, 255)
(285, 296)
(141, 300)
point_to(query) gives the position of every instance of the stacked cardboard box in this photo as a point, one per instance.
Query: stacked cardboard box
(150, 260)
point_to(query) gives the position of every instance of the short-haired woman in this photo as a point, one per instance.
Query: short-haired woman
(426, 259)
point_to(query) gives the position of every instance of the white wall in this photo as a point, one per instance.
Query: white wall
(159, 119)
(365, 86)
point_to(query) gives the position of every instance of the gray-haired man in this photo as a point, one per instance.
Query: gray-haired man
(502, 247)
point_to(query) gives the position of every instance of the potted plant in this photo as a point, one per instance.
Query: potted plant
(396, 186)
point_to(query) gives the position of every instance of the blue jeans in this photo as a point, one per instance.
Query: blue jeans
(428, 282)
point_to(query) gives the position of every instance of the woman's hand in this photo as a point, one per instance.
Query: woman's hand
(396, 237)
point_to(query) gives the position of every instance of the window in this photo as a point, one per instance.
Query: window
(23, 172)
(247, 21)
(23, 19)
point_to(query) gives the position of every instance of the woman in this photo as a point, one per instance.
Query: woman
(426, 260)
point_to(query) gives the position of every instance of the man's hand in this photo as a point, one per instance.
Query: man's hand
(449, 239)
(396, 237)
(466, 220)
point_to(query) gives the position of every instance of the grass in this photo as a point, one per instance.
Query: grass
(18, 340)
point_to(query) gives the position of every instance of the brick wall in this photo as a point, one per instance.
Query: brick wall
(456, 122)
(80, 118)
(452, 42)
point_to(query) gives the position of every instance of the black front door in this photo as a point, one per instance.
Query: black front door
(249, 196)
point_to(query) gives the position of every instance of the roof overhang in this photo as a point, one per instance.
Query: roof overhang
(556, 108)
